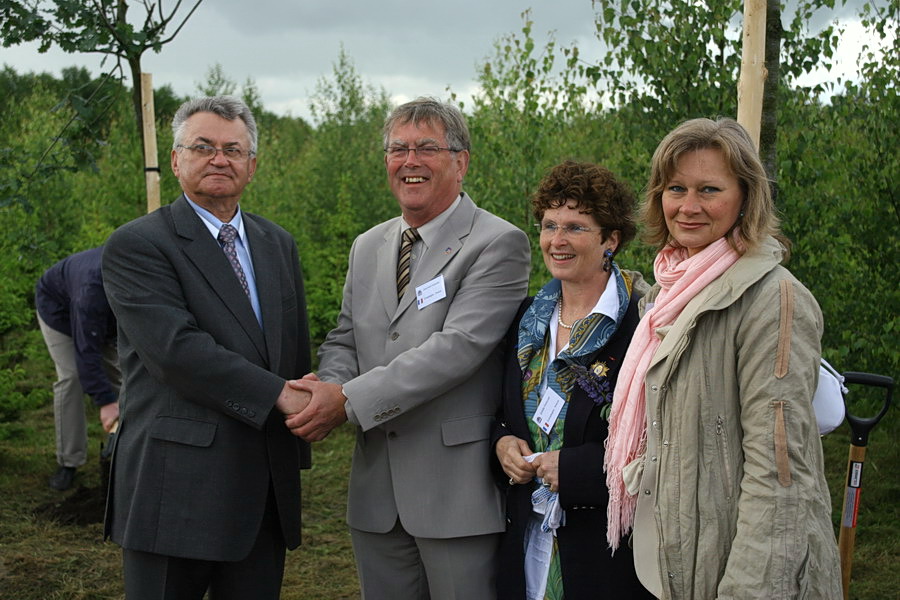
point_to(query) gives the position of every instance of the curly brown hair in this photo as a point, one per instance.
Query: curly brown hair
(595, 191)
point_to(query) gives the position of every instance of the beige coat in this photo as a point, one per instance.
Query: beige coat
(733, 501)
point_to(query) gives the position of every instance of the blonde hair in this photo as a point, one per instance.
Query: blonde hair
(757, 218)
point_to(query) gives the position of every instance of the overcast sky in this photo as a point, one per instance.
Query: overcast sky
(286, 46)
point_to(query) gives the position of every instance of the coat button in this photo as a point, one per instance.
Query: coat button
(394, 336)
(392, 435)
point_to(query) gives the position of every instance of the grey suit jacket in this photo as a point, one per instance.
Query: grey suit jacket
(424, 385)
(199, 442)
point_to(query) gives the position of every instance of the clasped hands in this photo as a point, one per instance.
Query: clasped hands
(512, 450)
(311, 408)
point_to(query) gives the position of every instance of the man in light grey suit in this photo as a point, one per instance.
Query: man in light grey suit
(417, 370)
(205, 484)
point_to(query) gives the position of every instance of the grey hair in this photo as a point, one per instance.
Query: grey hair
(227, 107)
(434, 112)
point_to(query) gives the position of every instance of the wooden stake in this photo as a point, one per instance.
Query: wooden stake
(753, 68)
(151, 164)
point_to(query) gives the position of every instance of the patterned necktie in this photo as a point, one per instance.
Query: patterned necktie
(226, 238)
(409, 238)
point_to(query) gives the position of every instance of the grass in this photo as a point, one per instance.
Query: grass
(47, 554)
(51, 545)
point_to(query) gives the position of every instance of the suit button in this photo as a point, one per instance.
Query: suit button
(394, 336)
(243, 410)
(392, 435)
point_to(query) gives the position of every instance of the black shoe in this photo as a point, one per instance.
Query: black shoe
(62, 479)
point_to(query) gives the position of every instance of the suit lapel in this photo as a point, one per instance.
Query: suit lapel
(386, 265)
(268, 285)
(212, 264)
(446, 244)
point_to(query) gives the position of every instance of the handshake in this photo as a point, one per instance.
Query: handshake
(311, 408)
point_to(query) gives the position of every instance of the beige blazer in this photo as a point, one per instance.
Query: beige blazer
(424, 385)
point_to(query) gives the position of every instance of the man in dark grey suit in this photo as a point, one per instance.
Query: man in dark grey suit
(413, 363)
(205, 484)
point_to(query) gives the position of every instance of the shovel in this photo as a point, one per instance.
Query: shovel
(860, 429)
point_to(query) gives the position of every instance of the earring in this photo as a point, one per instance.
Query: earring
(607, 260)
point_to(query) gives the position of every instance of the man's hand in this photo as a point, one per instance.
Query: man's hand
(109, 415)
(324, 412)
(291, 401)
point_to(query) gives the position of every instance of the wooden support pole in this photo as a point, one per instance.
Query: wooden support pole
(151, 164)
(752, 82)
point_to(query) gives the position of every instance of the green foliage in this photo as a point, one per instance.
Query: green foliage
(668, 61)
(77, 26)
(325, 185)
(218, 83)
(540, 103)
(838, 186)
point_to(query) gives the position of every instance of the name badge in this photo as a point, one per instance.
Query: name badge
(548, 410)
(430, 292)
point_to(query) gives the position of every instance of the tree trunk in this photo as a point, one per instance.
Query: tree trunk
(134, 65)
(769, 123)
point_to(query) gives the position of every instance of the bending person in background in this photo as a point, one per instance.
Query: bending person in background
(566, 347)
(713, 453)
(79, 329)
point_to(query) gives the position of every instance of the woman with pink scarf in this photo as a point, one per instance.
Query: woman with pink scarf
(713, 456)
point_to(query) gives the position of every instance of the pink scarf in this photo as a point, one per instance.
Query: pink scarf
(680, 278)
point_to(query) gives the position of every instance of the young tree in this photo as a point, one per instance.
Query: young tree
(95, 26)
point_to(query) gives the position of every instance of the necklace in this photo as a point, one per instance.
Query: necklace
(559, 315)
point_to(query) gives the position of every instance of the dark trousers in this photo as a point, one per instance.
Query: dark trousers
(151, 576)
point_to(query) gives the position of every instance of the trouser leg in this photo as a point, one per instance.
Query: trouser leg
(389, 565)
(68, 399)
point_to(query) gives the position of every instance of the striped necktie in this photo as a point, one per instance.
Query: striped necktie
(409, 238)
(227, 234)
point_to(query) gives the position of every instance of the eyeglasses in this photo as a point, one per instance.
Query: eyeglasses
(570, 230)
(401, 152)
(207, 151)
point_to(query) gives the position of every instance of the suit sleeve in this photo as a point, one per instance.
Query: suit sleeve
(160, 323)
(478, 316)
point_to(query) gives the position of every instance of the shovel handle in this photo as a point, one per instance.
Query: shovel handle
(859, 426)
